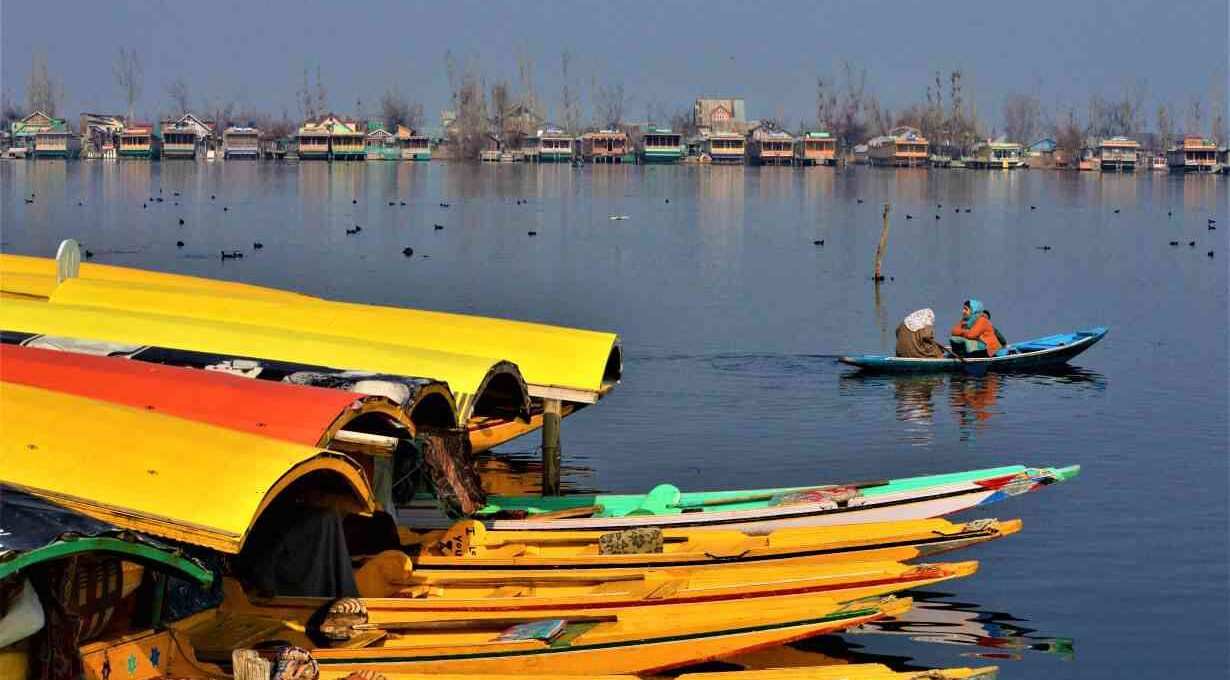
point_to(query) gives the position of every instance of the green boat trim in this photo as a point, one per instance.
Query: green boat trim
(132, 550)
(666, 499)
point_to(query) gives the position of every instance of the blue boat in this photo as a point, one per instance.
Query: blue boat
(1018, 356)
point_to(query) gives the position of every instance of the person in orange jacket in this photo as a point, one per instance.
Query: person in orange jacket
(974, 336)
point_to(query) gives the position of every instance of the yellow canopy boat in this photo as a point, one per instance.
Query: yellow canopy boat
(569, 364)
(469, 548)
(858, 671)
(161, 475)
(483, 389)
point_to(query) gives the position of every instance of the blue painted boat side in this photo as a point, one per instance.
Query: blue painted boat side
(1044, 351)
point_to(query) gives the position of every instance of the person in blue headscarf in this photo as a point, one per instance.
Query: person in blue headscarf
(974, 336)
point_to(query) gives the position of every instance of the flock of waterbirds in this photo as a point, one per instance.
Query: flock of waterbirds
(409, 251)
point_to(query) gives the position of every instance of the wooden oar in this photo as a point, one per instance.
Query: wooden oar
(569, 513)
(954, 355)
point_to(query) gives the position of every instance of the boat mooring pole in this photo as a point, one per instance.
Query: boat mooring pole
(881, 247)
(551, 413)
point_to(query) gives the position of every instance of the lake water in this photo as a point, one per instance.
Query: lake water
(731, 318)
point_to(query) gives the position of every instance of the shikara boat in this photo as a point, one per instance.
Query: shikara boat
(469, 549)
(637, 641)
(570, 364)
(858, 671)
(487, 395)
(1018, 356)
(759, 510)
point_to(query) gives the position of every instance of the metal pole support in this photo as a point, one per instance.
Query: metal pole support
(551, 413)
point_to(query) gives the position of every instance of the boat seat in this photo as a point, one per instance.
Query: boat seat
(214, 639)
(363, 639)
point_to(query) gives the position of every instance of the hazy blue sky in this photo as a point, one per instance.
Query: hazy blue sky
(668, 51)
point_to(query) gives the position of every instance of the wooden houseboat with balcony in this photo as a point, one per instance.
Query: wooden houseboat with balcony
(771, 147)
(138, 141)
(726, 147)
(1118, 154)
(815, 147)
(902, 147)
(186, 136)
(1193, 154)
(347, 141)
(661, 145)
(100, 135)
(996, 155)
(313, 141)
(555, 146)
(42, 136)
(380, 145)
(414, 146)
(241, 142)
(606, 146)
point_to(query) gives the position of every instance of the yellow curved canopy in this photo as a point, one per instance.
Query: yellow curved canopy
(154, 473)
(467, 376)
(567, 363)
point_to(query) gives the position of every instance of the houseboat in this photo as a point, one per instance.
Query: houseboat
(902, 147)
(528, 149)
(186, 137)
(1118, 154)
(1157, 162)
(555, 146)
(41, 136)
(726, 147)
(137, 140)
(996, 155)
(414, 147)
(347, 141)
(241, 142)
(860, 153)
(1193, 154)
(1223, 159)
(100, 135)
(606, 146)
(380, 145)
(661, 145)
(815, 147)
(313, 141)
(771, 147)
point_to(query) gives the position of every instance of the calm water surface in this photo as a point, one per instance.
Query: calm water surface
(731, 318)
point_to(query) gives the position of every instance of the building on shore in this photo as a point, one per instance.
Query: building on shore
(379, 144)
(1193, 154)
(770, 146)
(413, 146)
(39, 135)
(606, 146)
(720, 115)
(661, 145)
(861, 153)
(241, 142)
(555, 146)
(331, 138)
(815, 147)
(728, 148)
(527, 151)
(138, 141)
(187, 137)
(1118, 154)
(996, 155)
(902, 147)
(100, 135)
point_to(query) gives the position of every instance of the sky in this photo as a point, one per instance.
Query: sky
(666, 52)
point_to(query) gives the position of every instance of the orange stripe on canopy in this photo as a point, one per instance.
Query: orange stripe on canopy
(296, 413)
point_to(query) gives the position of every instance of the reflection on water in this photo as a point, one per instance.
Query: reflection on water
(936, 619)
(519, 473)
(973, 399)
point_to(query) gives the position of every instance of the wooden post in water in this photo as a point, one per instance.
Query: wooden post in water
(883, 246)
(551, 414)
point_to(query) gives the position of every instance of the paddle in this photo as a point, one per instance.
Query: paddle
(949, 352)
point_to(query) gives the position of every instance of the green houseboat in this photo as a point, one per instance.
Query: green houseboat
(555, 146)
(414, 146)
(380, 144)
(661, 145)
(137, 140)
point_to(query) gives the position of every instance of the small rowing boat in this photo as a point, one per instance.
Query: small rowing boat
(756, 511)
(1018, 356)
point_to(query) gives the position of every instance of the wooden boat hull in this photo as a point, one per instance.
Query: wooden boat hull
(638, 642)
(512, 555)
(907, 504)
(1049, 351)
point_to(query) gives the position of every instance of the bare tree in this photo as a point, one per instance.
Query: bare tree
(177, 91)
(1069, 135)
(570, 102)
(397, 110)
(1165, 127)
(1217, 118)
(1195, 115)
(609, 103)
(1022, 115)
(43, 92)
(307, 105)
(501, 107)
(321, 98)
(9, 110)
(129, 76)
(469, 132)
(525, 74)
